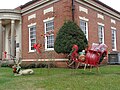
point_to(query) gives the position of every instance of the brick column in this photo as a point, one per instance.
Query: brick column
(12, 38)
(1, 40)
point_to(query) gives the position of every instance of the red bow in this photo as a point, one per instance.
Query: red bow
(37, 47)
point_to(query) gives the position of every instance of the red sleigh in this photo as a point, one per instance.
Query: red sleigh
(93, 57)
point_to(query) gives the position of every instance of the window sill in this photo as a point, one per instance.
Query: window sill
(51, 49)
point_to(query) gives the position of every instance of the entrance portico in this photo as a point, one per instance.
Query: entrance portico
(10, 32)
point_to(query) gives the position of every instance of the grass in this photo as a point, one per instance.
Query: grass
(62, 79)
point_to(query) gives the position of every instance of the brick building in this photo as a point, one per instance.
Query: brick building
(99, 22)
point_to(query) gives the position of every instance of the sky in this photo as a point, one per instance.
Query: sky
(112, 3)
(11, 4)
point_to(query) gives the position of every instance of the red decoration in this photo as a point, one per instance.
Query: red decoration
(74, 53)
(5, 54)
(92, 56)
(47, 34)
(37, 47)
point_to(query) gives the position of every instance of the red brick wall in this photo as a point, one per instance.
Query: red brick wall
(118, 35)
(93, 26)
(62, 12)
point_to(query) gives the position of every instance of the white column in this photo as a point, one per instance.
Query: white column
(3, 39)
(12, 38)
(20, 36)
(18, 40)
(0, 39)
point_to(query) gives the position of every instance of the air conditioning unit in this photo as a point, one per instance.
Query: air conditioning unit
(114, 58)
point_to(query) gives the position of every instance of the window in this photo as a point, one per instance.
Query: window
(84, 27)
(49, 35)
(101, 33)
(32, 37)
(113, 39)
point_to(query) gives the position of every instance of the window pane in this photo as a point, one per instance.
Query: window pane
(50, 36)
(50, 41)
(83, 26)
(32, 36)
(113, 39)
(49, 25)
(101, 34)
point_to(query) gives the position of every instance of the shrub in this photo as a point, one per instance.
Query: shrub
(68, 35)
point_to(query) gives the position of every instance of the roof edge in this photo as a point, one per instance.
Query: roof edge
(28, 3)
(97, 1)
(10, 11)
(107, 6)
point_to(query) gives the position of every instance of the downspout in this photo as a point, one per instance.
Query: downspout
(73, 8)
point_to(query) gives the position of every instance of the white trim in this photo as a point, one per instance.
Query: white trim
(113, 21)
(114, 49)
(100, 16)
(32, 24)
(11, 16)
(48, 10)
(12, 21)
(44, 60)
(113, 28)
(36, 7)
(87, 30)
(32, 16)
(100, 24)
(82, 9)
(48, 49)
(86, 26)
(104, 11)
(83, 18)
(48, 19)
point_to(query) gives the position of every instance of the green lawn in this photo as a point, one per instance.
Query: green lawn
(62, 79)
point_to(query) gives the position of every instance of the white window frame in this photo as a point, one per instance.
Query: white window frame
(101, 35)
(86, 21)
(115, 38)
(29, 26)
(45, 21)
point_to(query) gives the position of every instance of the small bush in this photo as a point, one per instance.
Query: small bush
(37, 65)
(4, 65)
(68, 35)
